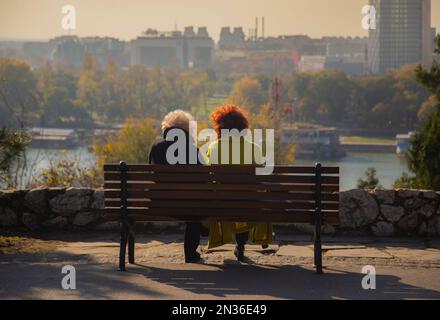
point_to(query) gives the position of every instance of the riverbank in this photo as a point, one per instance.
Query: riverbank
(368, 147)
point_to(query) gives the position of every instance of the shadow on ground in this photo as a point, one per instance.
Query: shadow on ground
(283, 282)
(96, 281)
(38, 276)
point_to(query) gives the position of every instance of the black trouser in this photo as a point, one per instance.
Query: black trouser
(241, 238)
(193, 232)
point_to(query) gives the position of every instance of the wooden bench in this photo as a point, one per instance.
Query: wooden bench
(291, 194)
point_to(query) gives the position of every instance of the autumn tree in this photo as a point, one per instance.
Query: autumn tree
(247, 93)
(111, 93)
(88, 86)
(136, 80)
(131, 144)
(19, 99)
(57, 88)
(68, 172)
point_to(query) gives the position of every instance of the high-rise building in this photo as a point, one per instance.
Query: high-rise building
(68, 50)
(71, 50)
(190, 49)
(402, 35)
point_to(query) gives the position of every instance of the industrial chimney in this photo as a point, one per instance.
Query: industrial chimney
(256, 28)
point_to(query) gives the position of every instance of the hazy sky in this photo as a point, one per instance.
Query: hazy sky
(126, 19)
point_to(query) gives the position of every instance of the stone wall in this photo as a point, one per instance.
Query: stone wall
(391, 212)
(378, 212)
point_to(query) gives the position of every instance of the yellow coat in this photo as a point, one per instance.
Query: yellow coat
(222, 232)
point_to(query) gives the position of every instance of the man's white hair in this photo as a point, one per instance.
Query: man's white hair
(177, 119)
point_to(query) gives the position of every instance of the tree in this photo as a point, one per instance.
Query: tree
(132, 144)
(424, 152)
(197, 87)
(135, 89)
(111, 92)
(88, 90)
(408, 96)
(59, 108)
(321, 96)
(405, 181)
(427, 108)
(247, 93)
(265, 119)
(371, 181)
(49, 76)
(18, 95)
(68, 173)
(56, 104)
(390, 101)
(45, 79)
(12, 146)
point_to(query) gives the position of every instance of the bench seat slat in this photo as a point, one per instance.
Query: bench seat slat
(220, 195)
(135, 185)
(222, 178)
(221, 215)
(215, 204)
(297, 218)
(238, 169)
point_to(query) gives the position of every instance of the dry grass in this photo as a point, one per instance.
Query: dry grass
(19, 245)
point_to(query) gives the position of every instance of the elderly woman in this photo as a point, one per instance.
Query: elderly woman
(179, 119)
(229, 117)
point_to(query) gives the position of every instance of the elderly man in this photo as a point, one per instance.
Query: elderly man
(179, 119)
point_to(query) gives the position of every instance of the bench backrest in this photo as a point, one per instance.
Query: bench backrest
(227, 192)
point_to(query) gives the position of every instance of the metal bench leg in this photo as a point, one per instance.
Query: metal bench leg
(318, 248)
(317, 237)
(122, 249)
(131, 247)
(124, 220)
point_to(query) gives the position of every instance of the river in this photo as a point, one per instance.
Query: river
(389, 167)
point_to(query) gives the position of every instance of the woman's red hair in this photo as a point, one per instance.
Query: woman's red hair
(229, 116)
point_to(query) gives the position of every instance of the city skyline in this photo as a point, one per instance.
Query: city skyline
(22, 19)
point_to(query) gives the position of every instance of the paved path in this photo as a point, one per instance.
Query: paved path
(406, 269)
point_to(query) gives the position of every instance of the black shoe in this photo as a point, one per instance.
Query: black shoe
(194, 258)
(264, 246)
(239, 252)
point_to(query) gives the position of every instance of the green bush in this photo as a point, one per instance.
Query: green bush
(68, 173)
(370, 182)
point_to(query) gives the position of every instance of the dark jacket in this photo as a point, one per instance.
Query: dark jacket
(158, 152)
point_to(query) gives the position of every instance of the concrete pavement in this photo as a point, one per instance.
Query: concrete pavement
(405, 269)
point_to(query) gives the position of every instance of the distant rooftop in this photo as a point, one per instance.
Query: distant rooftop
(308, 126)
(51, 131)
(188, 32)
